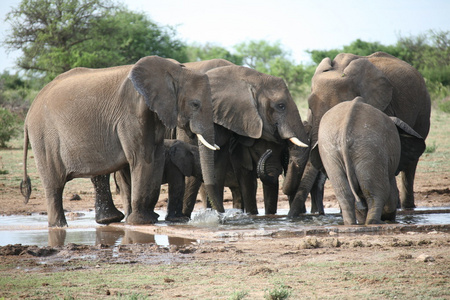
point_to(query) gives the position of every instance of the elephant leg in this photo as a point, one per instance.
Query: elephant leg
(317, 192)
(344, 196)
(248, 186)
(145, 192)
(190, 195)
(270, 198)
(55, 211)
(105, 210)
(297, 206)
(176, 182)
(237, 197)
(123, 181)
(390, 206)
(407, 186)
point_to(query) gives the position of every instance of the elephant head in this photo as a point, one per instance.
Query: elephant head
(255, 105)
(191, 108)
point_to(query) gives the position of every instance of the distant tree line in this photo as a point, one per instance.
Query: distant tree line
(55, 36)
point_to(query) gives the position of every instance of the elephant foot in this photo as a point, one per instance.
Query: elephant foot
(107, 216)
(177, 219)
(60, 222)
(142, 218)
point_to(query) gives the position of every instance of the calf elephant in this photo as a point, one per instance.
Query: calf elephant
(90, 122)
(361, 150)
(251, 111)
(385, 82)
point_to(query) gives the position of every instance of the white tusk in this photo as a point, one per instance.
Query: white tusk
(297, 142)
(217, 147)
(204, 142)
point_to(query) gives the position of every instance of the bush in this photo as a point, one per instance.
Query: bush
(8, 126)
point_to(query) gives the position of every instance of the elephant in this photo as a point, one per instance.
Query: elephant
(361, 150)
(92, 122)
(252, 112)
(181, 160)
(385, 82)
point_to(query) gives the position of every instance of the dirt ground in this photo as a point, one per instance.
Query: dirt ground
(403, 264)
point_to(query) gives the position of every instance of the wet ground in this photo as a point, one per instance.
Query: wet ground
(32, 229)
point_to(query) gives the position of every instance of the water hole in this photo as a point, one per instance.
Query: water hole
(33, 230)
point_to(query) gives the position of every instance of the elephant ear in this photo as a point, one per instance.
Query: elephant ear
(412, 143)
(182, 157)
(234, 100)
(154, 78)
(370, 83)
(324, 66)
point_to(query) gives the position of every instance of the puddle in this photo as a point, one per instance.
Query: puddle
(33, 230)
(235, 219)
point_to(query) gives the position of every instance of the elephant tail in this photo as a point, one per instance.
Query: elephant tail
(25, 184)
(349, 163)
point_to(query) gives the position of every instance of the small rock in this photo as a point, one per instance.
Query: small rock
(75, 197)
(425, 258)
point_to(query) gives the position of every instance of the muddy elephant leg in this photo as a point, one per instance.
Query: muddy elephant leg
(123, 181)
(317, 192)
(345, 196)
(407, 186)
(297, 205)
(390, 206)
(176, 182)
(248, 186)
(56, 217)
(237, 197)
(146, 179)
(190, 195)
(105, 210)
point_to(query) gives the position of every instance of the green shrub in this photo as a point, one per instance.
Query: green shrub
(8, 126)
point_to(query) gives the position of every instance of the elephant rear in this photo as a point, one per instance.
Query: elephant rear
(360, 150)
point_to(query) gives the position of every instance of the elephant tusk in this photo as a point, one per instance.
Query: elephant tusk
(204, 142)
(217, 147)
(297, 142)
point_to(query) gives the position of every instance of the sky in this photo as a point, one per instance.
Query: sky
(298, 25)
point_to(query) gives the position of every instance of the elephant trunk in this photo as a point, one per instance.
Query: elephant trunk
(262, 172)
(207, 164)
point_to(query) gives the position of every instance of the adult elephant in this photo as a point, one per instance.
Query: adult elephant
(90, 122)
(362, 149)
(252, 111)
(387, 83)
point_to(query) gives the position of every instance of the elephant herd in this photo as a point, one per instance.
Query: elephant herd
(215, 124)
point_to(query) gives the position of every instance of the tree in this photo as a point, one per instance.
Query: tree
(259, 54)
(196, 52)
(57, 35)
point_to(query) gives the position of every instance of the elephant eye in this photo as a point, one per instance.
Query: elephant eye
(195, 104)
(281, 106)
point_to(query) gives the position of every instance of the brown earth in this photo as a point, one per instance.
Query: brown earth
(406, 263)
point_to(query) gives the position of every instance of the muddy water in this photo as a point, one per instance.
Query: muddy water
(33, 230)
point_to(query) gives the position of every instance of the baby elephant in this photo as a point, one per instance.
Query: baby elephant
(362, 150)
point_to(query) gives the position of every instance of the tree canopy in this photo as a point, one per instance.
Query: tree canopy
(56, 35)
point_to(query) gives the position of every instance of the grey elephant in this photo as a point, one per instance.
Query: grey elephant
(252, 112)
(91, 122)
(385, 82)
(361, 150)
(181, 160)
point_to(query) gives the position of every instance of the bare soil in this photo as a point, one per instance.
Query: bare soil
(406, 263)
(412, 264)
